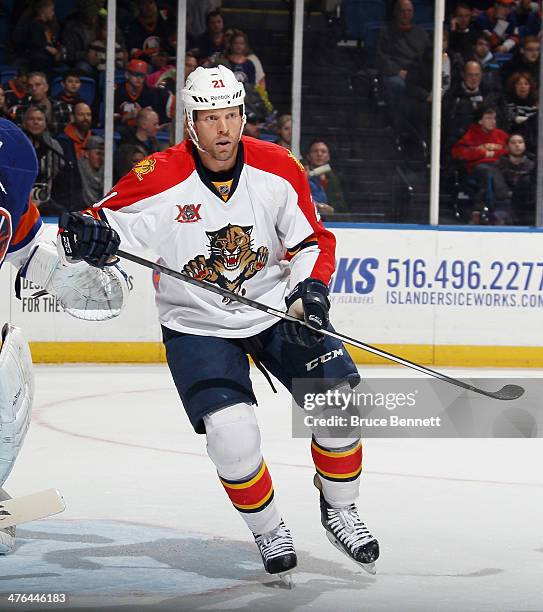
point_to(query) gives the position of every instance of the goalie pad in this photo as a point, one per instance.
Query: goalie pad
(85, 292)
(16, 396)
(7, 535)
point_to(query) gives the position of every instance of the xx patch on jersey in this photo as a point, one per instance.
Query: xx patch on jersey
(145, 166)
(232, 260)
(188, 213)
(6, 232)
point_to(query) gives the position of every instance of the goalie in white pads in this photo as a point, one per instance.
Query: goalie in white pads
(84, 292)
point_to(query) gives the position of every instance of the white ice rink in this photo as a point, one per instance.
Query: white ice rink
(148, 526)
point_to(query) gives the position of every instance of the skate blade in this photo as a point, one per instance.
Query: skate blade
(286, 579)
(368, 567)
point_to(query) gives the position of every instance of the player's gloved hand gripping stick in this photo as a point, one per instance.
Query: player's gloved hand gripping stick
(507, 392)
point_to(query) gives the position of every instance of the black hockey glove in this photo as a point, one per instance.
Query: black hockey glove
(82, 237)
(308, 301)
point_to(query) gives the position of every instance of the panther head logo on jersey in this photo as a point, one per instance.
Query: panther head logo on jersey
(145, 166)
(232, 260)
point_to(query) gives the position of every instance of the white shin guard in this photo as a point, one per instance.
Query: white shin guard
(233, 444)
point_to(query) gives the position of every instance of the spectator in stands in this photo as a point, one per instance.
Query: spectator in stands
(533, 24)
(284, 129)
(325, 186)
(134, 94)
(522, 107)
(519, 171)
(144, 133)
(500, 25)
(125, 158)
(16, 89)
(91, 170)
(67, 185)
(197, 11)
(401, 44)
(50, 158)
(97, 49)
(236, 58)
(43, 50)
(191, 63)
(5, 111)
(491, 69)
(76, 134)
(527, 60)
(56, 112)
(524, 10)
(211, 43)
(462, 32)
(260, 75)
(461, 103)
(79, 32)
(71, 84)
(147, 34)
(480, 149)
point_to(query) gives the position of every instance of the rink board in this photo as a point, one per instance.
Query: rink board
(439, 295)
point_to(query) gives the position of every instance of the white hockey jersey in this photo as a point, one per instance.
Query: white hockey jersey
(260, 242)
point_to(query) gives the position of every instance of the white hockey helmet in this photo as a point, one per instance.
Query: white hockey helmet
(208, 89)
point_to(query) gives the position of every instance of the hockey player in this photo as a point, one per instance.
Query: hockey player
(237, 212)
(84, 292)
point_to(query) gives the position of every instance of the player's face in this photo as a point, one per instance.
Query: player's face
(72, 84)
(218, 132)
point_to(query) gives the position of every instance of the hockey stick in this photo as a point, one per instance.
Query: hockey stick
(32, 507)
(508, 392)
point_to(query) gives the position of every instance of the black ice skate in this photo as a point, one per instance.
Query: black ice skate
(278, 554)
(349, 534)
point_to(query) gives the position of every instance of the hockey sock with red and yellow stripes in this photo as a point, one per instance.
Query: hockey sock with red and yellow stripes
(339, 464)
(253, 498)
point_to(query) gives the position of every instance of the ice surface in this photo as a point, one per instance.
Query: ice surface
(148, 526)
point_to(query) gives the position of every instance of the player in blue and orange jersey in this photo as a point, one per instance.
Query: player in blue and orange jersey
(24, 243)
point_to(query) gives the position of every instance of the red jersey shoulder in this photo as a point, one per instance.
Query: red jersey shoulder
(270, 157)
(151, 176)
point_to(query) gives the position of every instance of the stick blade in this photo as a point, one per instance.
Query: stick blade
(30, 507)
(509, 392)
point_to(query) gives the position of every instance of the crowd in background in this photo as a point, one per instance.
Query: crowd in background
(490, 83)
(489, 89)
(54, 90)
